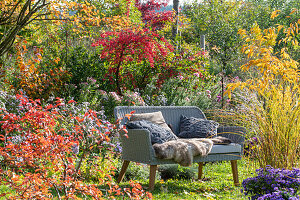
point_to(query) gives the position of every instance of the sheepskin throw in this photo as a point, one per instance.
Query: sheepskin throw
(182, 151)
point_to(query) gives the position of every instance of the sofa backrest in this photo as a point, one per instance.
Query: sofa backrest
(171, 113)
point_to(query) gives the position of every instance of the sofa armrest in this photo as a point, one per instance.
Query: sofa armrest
(235, 133)
(136, 146)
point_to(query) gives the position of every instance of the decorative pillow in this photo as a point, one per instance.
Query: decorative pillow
(154, 117)
(157, 133)
(191, 127)
(171, 127)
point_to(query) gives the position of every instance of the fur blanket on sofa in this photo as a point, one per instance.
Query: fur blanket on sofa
(182, 151)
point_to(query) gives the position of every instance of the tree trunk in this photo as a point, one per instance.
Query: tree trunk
(118, 75)
(175, 26)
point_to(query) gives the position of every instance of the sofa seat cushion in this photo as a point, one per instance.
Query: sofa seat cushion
(229, 148)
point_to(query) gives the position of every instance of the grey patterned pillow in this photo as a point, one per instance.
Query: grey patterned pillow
(191, 127)
(157, 133)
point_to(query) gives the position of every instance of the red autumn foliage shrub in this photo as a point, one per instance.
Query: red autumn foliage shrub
(135, 56)
(41, 158)
(151, 17)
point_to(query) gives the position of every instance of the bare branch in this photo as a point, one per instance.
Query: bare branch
(36, 4)
(23, 11)
(54, 19)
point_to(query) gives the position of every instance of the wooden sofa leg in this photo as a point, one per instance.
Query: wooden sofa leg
(152, 176)
(123, 170)
(235, 172)
(200, 167)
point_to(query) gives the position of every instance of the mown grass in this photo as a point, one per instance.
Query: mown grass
(217, 183)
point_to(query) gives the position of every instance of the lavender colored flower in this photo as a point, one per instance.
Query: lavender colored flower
(17, 139)
(92, 80)
(272, 184)
(115, 96)
(208, 91)
(118, 147)
(75, 148)
(237, 78)
(197, 74)
(254, 139)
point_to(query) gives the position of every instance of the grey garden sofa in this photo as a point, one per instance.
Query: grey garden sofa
(137, 146)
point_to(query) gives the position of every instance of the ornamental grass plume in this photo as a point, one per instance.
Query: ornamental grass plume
(276, 122)
(272, 109)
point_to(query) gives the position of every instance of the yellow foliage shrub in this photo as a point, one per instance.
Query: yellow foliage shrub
(272, 109)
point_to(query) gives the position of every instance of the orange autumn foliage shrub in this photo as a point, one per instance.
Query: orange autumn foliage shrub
(36, 80)
(41, 153)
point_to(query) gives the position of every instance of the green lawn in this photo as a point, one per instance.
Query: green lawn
(217, 183)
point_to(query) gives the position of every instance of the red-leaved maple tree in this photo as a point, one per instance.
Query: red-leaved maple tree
(134, 56)
(150, 15)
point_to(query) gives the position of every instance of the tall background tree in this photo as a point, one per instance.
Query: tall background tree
(220, 21)
(175, 26)
(15, 16)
